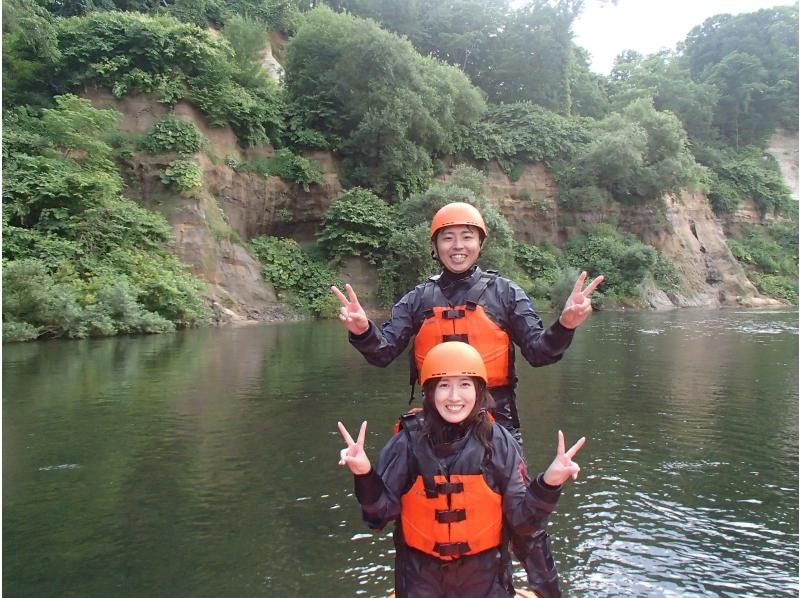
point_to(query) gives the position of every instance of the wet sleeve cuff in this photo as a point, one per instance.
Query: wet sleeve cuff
(369, 487)
(363, 335)
(561, 331)
(545, 491)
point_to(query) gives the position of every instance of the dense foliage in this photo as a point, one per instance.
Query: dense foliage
(751, 59)
(78, 258)
(769, 256)
(286, 165)
(385, 107)
(356, 224)
(171, 134)
(302, 281)
(637, 155)
(521, 132)
(132, 53)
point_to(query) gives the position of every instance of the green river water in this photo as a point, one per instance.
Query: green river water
(204, 463)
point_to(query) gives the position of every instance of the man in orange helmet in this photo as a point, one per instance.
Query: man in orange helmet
(467, 304)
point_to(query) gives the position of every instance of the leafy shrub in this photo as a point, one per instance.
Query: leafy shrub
(386, 130)
(171, 134)
(769, 256)
(746, 174)
(520, 131)
(298, 169)
(665, 274)
(624, 261)
(583, 199)
(128, 52)
(254, 112)
(407, 262)
(782, 287)
(303, 282)
(289, 167)
(636, 155)
(79, 258)
(357, 223)
(540, 265)
(184, 175)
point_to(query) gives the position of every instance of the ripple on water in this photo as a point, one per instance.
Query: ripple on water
(649, 544)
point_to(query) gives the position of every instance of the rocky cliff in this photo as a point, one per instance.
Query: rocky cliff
(211, 225)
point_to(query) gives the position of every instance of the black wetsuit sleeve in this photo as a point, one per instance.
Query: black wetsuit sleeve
(369, 487)
(381, 345)
(526, 504)
(379, 491)
(539, 345)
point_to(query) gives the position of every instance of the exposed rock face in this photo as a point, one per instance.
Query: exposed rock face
(695, 243)
(529, 203)
(235, 206)
(272, 66)
(784, 147)
(236, 289)
(685, 231)
(203, 236)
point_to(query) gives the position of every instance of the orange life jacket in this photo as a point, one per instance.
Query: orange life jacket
(468, 323)
(454, 513)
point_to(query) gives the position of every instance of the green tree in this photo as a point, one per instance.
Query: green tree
(752, 60)
(385, 107)
(663, 78)
(636, 155)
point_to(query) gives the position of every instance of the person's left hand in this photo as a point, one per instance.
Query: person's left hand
(579, 303)
(563, 467)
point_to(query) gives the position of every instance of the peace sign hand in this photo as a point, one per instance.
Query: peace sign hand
(563, 467)
(351, 313)
(354, 456)
(579, 305)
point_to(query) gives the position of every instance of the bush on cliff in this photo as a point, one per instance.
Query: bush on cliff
(78, 258)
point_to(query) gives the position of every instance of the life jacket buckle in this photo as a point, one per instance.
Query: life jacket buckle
(451, 548)
(450, 487)
(464, 338)
(450, 515)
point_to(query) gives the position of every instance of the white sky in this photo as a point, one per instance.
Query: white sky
(647, 26)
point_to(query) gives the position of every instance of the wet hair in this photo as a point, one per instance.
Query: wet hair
(439, 431)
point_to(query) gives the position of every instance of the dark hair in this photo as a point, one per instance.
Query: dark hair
(438, 430)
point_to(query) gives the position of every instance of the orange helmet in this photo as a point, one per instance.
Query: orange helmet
(452, 358)
(457, 213)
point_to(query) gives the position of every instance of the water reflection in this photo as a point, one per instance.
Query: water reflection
(203, 463)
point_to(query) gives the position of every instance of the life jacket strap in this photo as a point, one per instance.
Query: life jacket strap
(453, 314)
(464, 338)
(449, 487)
(450, 515)
(451, 548)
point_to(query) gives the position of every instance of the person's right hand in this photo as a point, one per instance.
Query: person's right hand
(351, 313)
(354, 456)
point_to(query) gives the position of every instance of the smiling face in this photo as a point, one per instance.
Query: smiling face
(454, 398)
(458, 247)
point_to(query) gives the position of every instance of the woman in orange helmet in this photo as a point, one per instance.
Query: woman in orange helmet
(464, 303)
(450, 479)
